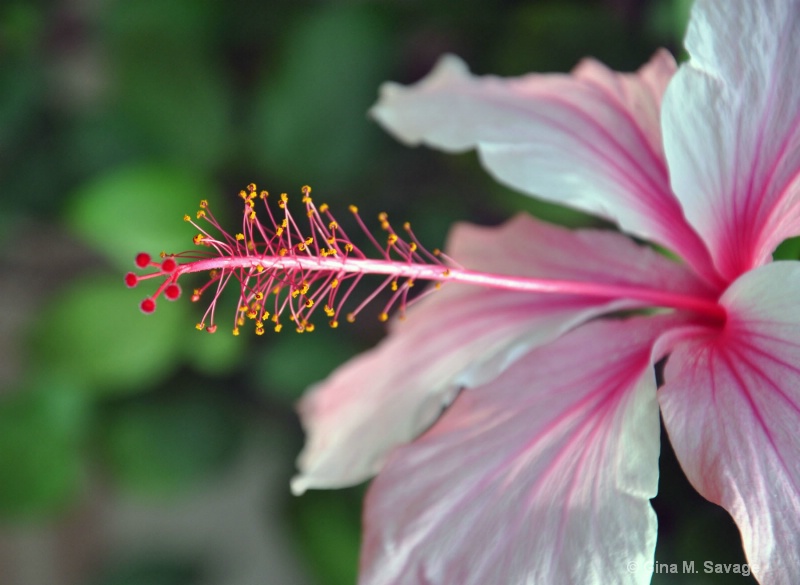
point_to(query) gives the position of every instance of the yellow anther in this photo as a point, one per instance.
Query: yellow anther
(412, 246)
(252, 188)
(353, 209)
(392, 239)
(333, 226)
(334, 283)
(329, 311)
(385, 226)
(309, 327)
(200, 326)
(301, 247)
(334, 324)
(383, 317)
(276, 290)
(306, 199)
(187, 218)
(332, 240)
(259, 331)
(351, 318)
(259, 295)
(251, 216)
(203, 203)
(306, 189)
(332, 252)
(243, 194)
(283, 252)
(309, 241)
(437, 286)
(394, 285)
(407, 226)
(323, 208)
(348, 247)
(251, 314)
(300, 329)
(304, 288)
(278, 328)
(446, 272)
(200, 214)
(437, 252)
(310, 213)
(162, 254)
(409, 283)
(279, 232)
(198, 238)
(309, 303)
(285, 222)
(259, 268)
(295, 293)
(212, 274)
(240, 236)
(240, 321)
(251, 246)
(236, 331)
(383, 216)
(263, 194)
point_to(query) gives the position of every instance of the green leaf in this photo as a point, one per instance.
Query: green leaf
(327, 524)
(95, 334)
(293, 362)
(168, 88)
(137, 209)
(788, 250)
(40, 460)
(160, 445)
(310, 124)
(152, 572)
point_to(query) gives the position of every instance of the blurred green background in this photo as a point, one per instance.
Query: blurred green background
(135, 450)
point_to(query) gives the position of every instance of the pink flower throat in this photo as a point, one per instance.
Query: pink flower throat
(282, 271)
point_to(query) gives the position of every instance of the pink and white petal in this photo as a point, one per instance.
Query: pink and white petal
(543, 475)
(463, 336)
(731, 405)
(591, 140)
(732, 129)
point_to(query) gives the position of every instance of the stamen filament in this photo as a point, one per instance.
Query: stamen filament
(322, 266)
(435, 273)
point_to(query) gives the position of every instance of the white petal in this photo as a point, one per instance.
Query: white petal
(591, 140)
(732, 129)
(543, 475)
(731, 405)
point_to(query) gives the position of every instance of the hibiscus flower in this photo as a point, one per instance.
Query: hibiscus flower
(515, 436)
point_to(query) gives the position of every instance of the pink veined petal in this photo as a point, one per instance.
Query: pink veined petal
(463, 336)
(732, 129)
(591, 140)
(731, 405)
(544, 475)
